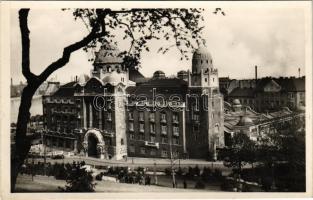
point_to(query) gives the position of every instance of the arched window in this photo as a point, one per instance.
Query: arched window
(216, 128)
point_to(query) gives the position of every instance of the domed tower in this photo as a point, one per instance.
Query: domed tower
(205, 108)
(108, 66)
(110, 79)
(158, 74)
(203, 73)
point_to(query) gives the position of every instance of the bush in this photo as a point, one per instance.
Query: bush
(168, 171)
(200, 184)
(196, 170)
(79, 180)
(206, 173)
(179, 171)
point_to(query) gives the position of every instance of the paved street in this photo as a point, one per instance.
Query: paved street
(49, 184)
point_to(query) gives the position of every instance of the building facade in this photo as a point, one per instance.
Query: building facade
(118, 113)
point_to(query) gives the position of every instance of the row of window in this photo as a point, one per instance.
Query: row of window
(152, 138)
(152, 117)
(152, 128)
(153, 152)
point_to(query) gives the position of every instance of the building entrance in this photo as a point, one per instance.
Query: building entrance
(92, 146)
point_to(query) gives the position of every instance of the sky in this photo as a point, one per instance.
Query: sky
(271, 37)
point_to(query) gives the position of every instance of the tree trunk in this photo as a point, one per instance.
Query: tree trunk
(21, 147)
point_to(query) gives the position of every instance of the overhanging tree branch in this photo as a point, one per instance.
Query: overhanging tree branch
(23, 16)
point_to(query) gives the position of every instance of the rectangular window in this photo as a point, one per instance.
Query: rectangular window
(152, 138)
(132, 136)
(163, 117)
(152, 128)
(175, 140)
(142, 150)
(141, 117)
(141, 128)
(131, 126)
(141, 137)
(176, 154)
(175, 117)
(164, 153)
(164, 140)
(195, 117)
(164, 130)
(153, 152)
(130, 115)
(176, 130)
(109, 116)
(195, 127)
(152, 116)
(132, 149)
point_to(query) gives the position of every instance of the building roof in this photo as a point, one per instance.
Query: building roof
(245, 121)
(165, 87)
(136, 76)
(66, 90)
(242, 92)
(108, 53)
(291, 84)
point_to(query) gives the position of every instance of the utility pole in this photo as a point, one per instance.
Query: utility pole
(155, 176)
(172, 164)
(44, 153)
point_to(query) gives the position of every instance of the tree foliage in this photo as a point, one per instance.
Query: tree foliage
(180, 27)
(79, 179)
(240, 152)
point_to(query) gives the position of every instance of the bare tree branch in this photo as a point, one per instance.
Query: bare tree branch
(23, 16)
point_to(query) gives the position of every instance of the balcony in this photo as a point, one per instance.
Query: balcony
(163, 121)
(176, 134)
(175, 121)
(152, 120)
(141, 130)
(152, 144)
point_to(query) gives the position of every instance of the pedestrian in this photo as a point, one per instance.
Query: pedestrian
(185, 184)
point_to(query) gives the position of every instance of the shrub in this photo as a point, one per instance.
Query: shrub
(79, 180)
(200, 184)
(168, 171)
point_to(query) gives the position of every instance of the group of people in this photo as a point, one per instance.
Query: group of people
(133, 178)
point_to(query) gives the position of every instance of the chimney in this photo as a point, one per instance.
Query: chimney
(256, 73)
(76, 79)
(299, 71)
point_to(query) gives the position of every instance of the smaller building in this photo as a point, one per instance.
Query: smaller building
(242, 119)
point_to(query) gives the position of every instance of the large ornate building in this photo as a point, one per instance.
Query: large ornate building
(118, 113)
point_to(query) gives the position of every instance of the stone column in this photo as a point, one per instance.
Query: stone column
(84, 114)
(100, 119)
(90, 116)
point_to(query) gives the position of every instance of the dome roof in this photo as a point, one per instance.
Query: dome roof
(236, 102)
(159, 74)
(202, 53)
(108, 53)
(201, 59)
(245, 121)
(182, 72)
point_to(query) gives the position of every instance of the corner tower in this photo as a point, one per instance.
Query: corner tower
(205, 108)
